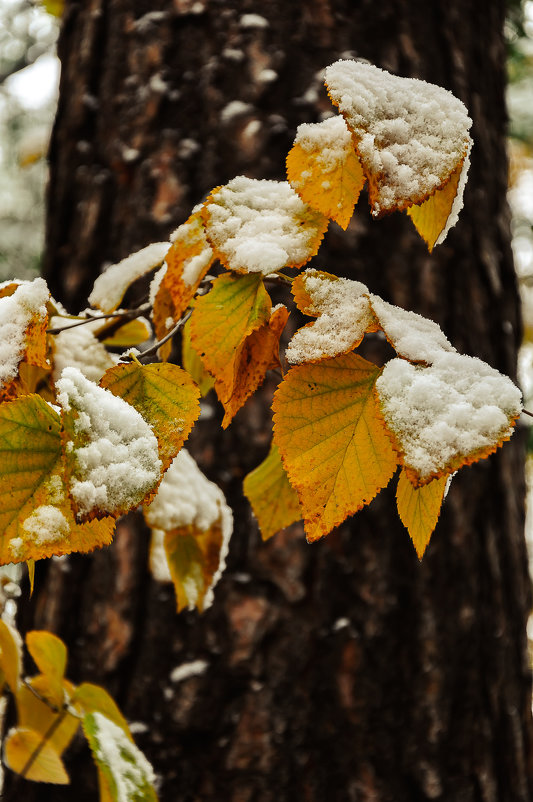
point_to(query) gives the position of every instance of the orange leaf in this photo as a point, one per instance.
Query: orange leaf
(419, 508)
(259, 353)
(261, 226)
(188, 260)
(344, 316)
(164, 395)
(47, 767)
(331, 436)
(323, 167)
(274, 502)
(411, 138)
(24, 318)
(454, 412)
(221, 322)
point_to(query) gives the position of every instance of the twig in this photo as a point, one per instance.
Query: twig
(526, 412)
(127, 314)
(154, 348)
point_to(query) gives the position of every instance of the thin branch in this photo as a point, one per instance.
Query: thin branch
(127, 314)
(526, 412)
(154, 348)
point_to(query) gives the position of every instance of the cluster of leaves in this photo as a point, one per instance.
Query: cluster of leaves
(50, 712)
(86, 435)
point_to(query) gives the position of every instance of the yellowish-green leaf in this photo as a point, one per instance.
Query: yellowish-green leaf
(126, 774)
(274, 502)
(95, 699)
(332, 439)
(37, 715)
(221, 322)
(193, 558)
(47, 767)
(192, 362)
(165, 396)
(36, 517)
(10, 655)
(419, 509)
(324, 169)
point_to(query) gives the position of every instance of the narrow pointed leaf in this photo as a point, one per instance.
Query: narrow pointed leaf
(419, 508)
(332, 439)
(437, 214)
(274, 502)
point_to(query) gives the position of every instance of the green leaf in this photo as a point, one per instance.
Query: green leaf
(125, 772)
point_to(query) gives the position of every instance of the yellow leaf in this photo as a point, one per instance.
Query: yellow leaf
(34, 714)
(188, 260)
(54, 7)
(221, 322)
(50, 656)
(192, 362)
(131, 333)
(193, 559)
(259, 352)
(95, 699)
(411, 155)
(165, 396)
(36, 517)
(331, 436)
(419, 509)
(451, 413)
(31, 574)
(21, 744)
(431, 217)
(324, 169)
(261, 226)
(10, 655)
(274, 502)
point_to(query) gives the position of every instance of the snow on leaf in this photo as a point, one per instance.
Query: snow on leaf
(412, 336)
(344, 315)
(323, 168)
(21, 744)
(36, 517)
(259, 353)
(95, 699)
(10, 655)
(110, 287)
(188, 260)
(50, 656)
(419, 508)
(193, 364)
(190, 513)
(222, 321)
(332, 439)
(164, 395)
(412, 138)
(37, 715)
(128, 775)
(260, 226)
(274, 502)
(23, 321)
(111, 452)
(77, 346)
(452, 413)
(439, 213)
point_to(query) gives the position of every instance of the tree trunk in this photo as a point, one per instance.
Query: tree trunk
(345, 670)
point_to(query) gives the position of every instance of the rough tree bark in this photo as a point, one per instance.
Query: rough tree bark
(344, 670)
